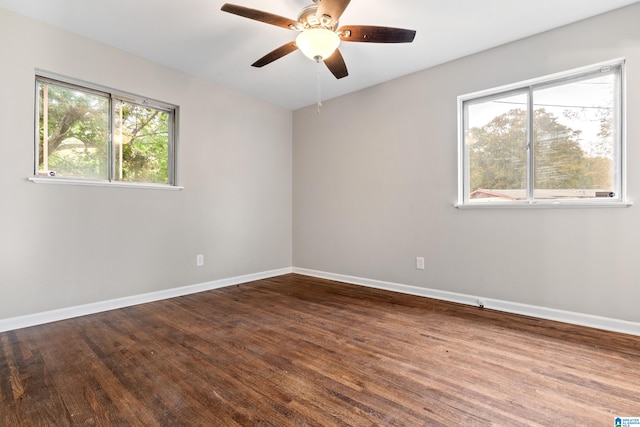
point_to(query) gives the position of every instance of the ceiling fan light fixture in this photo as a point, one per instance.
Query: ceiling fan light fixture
(317, 42)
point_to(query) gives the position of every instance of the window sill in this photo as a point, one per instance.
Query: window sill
(64, 181)
(545, 205)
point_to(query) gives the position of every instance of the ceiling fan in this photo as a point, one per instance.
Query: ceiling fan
(319, 33)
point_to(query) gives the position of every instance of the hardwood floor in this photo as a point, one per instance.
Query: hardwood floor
(300, 351)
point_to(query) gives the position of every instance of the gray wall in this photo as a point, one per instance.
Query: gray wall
(62, 246)
(375, 180)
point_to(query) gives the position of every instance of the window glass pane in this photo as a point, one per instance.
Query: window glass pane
(141, 143)
(573, 125)
(496, 148)
(73, 132)
(574, 152)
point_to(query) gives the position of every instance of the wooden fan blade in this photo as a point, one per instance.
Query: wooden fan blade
(278, 53)
(335, 63)
(331, 8)
(259, 15)
(373, 34)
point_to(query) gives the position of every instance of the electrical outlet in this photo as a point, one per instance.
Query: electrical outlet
(199, 260)
(420, 263)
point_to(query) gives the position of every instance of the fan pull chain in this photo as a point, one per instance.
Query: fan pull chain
(319, 87)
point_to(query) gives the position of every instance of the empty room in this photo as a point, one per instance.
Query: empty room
(331, 213)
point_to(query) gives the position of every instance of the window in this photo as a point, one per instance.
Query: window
(94, 135)
(553, 141)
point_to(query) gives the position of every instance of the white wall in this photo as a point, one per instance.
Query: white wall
(62, 246)
(375, 180)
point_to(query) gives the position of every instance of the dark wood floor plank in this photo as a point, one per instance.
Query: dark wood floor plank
(299, 351)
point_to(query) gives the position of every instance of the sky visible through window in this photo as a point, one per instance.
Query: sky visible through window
(578, 106)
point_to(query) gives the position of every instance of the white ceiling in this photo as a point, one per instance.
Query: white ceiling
(194, 36)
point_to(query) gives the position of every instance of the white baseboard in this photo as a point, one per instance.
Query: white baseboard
(588, 320)
(605, 323)
(97, 307)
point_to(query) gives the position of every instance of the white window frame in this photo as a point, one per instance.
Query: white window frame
(112, 94)
(621, 200)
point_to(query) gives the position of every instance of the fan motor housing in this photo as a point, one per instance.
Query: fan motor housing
(308, 19)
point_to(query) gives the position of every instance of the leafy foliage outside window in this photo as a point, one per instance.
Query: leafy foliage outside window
(142, 152)
(556, 140)
(93, 135)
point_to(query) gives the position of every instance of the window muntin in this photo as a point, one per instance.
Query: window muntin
(555, 140)
(94, 135)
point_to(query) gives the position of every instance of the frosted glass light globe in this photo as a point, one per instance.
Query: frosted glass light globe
(317, 43)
